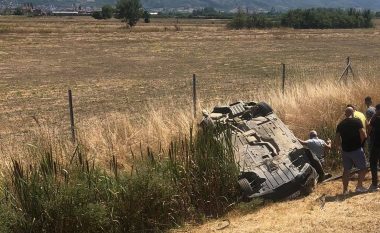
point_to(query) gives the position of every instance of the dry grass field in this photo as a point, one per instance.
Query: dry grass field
(140, 79)
(133, 86)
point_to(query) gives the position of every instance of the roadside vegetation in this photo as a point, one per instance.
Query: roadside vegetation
(191, 180)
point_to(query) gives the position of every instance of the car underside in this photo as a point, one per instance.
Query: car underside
(272, 162)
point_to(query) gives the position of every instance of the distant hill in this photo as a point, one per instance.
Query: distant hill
(218, 4)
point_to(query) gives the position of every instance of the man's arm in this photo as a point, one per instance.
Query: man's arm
(371, 124)
(369, 128)
(304, 143)
(328, 143)
(363, 135)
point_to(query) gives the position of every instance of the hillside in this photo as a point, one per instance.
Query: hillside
(218, 4)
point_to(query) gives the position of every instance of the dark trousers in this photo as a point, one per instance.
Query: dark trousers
(374, 161)
(317, 165)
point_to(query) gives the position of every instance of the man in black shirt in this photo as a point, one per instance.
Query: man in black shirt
(350, 135)
(374, 130)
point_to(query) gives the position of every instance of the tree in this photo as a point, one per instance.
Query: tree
(129, 11)
(18, 11)
(107, 11)
(146, 16)
(239, 21)
(97, 15)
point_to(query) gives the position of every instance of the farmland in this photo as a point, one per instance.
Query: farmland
(114, 69)
(133, 88)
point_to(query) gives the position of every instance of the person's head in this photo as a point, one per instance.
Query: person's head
(378, 109)
(351, 106)
(313, 134)
(349, 112)
(368, 101)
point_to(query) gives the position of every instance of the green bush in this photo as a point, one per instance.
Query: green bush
(107, 11)
(327, 18)
(18, 11)
(238, 22)
(97, 15)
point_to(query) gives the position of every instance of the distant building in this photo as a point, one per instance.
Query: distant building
(65, 13)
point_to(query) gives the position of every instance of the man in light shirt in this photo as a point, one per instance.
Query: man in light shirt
(316, 145)
(317, 148)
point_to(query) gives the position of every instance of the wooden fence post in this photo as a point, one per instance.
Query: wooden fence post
(344, 76)
(72, 125)
(346, 73)
(283, 78)
(194, 95)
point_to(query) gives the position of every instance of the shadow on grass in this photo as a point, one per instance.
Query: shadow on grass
(341, 197)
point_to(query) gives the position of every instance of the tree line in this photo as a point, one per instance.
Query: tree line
(327, 18)
(315, 18)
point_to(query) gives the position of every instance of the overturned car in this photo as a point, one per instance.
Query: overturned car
(272, 162)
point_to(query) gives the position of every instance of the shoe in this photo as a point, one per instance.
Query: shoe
(361, 190)
(345, 193)
(373, 188)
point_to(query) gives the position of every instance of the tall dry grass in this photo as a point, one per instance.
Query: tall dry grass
(121, 162)
(303, 107)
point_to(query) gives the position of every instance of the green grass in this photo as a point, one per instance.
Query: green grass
(192, 180)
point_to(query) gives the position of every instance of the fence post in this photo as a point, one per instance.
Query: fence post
(346, 74)
(194, 95)
(283, 78)
(71, 116)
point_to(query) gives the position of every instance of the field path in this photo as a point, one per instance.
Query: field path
(356, 213)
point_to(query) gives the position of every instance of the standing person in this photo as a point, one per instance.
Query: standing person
(371, 110)
(369, 113)
(358, 115)
(374, 129)
(350, 136)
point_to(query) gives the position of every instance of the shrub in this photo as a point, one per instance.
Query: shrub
(107, 11)
(97, 15)
(195, 177)
(146, 16)
(238, 22)
(18, 11)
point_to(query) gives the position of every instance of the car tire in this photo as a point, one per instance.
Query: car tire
(245, 187)
(310, 184)
(265, 109)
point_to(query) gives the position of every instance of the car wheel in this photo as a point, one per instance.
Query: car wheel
(245, 187)
(310, 184)
(265, 109)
